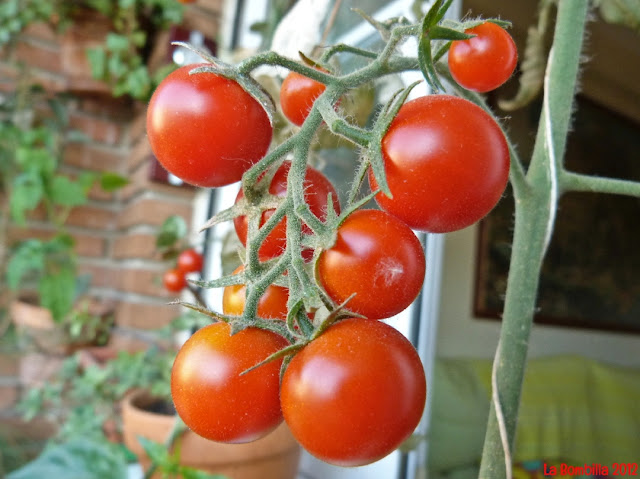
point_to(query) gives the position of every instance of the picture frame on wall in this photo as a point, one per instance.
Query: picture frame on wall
(591, 272)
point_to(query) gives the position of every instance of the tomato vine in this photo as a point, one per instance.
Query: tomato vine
(424, 188)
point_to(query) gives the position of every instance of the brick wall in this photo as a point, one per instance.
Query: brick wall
(114, 231)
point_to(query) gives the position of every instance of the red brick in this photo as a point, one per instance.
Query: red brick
(145, 315)
(205, 21)
(211, 5)
(152, 211)
(92, 217)
(41, 31)
(86, 245)
(91, 157)
(143, 281)
(9, 395)
(127, 279)
(16, 427)
(135, 246)
(117, 109)
(39, 55)
(109, 132)
(9, 364)
(140, 153)
(140, 181)
(138, 127)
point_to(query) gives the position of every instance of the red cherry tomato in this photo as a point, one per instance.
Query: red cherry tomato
(484, 62)
(272, 304)
(211, 396)
(297, 95)
(355, 393)
(446, 163)
(316, 190)
(174, 280)
(205, 129)
(377, 257)
(189, 261)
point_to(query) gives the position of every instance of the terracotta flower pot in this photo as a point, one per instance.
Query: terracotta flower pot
(37, 324)
(274, 456)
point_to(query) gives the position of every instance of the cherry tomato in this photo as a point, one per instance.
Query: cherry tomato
(272, 304)
(316, 190)
(211, 396)
(189, 261)
(446, 163)
(377, 257)
(174, 280)
(297, 95)
(355, 393)
(484, 62)
(205, 129)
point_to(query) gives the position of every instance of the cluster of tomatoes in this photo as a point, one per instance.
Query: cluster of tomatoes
(188, 261)
(355, 392)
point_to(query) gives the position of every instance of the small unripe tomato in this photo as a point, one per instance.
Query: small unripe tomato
(174, 280)
(189, 261)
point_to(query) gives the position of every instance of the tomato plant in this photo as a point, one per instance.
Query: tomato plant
(272, 304)
(353, 394)
(377, 257)
(297, 95)
(189, 261)
(197, 126)
(174, 280)
(446, 162)
(486, 61)
(316, 192)
(211, 396)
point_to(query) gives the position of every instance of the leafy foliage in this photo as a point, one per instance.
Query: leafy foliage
(80, 458)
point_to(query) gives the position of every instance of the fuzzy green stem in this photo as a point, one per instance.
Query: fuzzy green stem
(535, 211)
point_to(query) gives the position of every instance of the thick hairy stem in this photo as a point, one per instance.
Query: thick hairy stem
(535, 211)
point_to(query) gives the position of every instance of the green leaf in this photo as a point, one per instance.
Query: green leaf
(191, 473)
(26, 192)
(28, 257)
(158, 453)
(79, 458)
(443, 33)
(36, 159)
(57, 292)
(66, 192)
(97, 61)
(110, 181)
(117, 43)
(172, 230)
(624, 12)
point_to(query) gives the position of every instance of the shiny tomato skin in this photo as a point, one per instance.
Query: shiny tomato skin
(377, 257)
(484, 62)
(355, 393)
(213, 399)
(190, 261)
(205, 129)
(272, 304)
(174, 280)
(446, 162)
(316, 190)
(297, 95)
